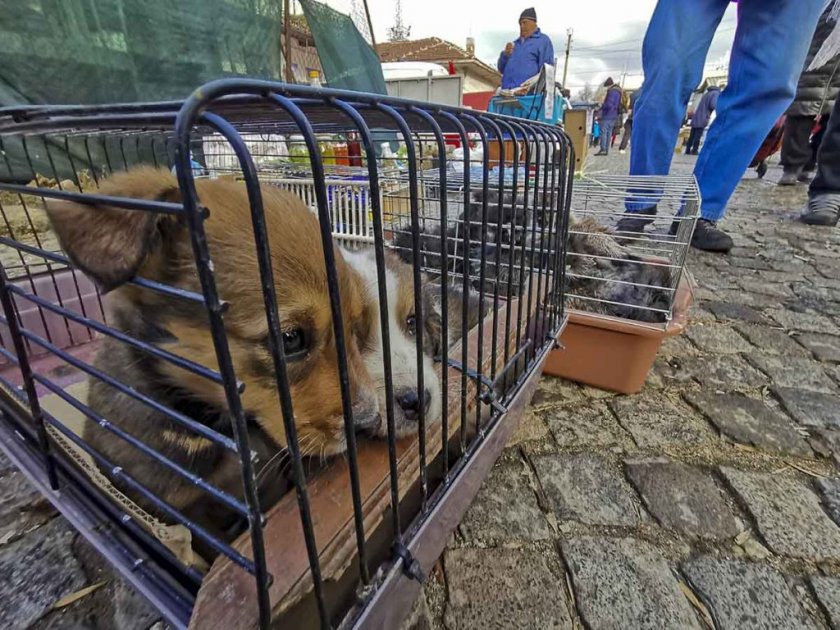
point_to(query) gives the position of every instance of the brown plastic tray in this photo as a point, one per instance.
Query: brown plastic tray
(612, 353)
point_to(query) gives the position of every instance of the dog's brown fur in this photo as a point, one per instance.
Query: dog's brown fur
(112, 245)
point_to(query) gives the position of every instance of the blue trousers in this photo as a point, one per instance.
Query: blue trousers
(607, 125)
(771, 42)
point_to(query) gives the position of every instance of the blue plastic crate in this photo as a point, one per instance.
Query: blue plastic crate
(531, 107)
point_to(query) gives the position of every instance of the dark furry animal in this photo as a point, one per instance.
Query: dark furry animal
(601, 267)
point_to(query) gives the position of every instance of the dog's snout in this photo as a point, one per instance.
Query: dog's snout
(366, 416)
(409, 402)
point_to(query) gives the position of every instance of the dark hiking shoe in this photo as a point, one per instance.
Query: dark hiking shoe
(636, 221)
(822, 210)
(788, 178)
(709, 238)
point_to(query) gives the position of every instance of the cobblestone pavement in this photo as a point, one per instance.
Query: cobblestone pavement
(711, 499)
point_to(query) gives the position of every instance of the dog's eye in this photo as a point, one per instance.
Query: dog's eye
(411, 324)
(295, 343)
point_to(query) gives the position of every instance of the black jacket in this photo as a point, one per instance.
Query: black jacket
(818, 88)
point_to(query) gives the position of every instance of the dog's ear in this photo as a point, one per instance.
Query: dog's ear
(112, 244)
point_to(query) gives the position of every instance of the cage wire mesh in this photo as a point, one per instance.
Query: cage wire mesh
(629, 237)
(410, 263)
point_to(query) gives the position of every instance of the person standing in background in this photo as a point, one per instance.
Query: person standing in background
(815, 94)
(770, 45)
(628, 125)
(609, 114)
(824, 192)
(523, 59)
(701, 118)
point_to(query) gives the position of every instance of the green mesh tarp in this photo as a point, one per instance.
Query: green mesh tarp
(106, 51)
(348, 61)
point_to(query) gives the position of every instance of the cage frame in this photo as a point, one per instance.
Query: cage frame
(79, 500)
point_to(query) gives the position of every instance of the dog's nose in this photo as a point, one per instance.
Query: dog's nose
(409, 402)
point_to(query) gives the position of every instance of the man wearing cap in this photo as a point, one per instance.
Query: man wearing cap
(524, 58)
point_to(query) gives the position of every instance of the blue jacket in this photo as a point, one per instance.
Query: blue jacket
(705, 108)
(526, 60)
(612, 103)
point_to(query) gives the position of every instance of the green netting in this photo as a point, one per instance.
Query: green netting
(105, 51)
(347, 59)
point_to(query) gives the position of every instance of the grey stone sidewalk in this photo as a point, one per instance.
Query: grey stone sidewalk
(710, 499)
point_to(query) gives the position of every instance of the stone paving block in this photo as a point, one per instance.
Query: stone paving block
(37, 571)
(745, 595)
(748, 262)
(22, 508)
(733, 311)
(419, 618)
(504, 588)
(796, 373)
(824, 347)
(587, 489)
(591, 426)
(822, 299)
(556, 391)
(683, 498)
(655, 420)
(830, 283)
(505, 508)
(750, 421)
(772, 340)
(625, 583)
(678, 346)
(807, 322)
(788, 514)
(811, 409)
(717, 338)
(827, 590)
(753, 287)
(722, 372)
(830, 491)
(531, 428)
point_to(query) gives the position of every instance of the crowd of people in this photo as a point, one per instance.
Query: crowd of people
(785, 61)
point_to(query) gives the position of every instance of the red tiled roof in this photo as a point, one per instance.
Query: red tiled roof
(433, 49)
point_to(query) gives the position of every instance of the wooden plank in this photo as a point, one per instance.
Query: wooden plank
(227, 597)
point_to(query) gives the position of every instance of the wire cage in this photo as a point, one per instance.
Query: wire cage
(261, 346)
(629, 238)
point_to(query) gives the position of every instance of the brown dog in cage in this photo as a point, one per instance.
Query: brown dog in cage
(113, 245)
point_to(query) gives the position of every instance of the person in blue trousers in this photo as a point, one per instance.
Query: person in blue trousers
(771, 42)
(610, 109)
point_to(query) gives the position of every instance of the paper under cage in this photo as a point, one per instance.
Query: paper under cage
(309, 540)
(629, 238)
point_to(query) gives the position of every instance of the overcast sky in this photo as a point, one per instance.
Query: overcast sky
(607, 33)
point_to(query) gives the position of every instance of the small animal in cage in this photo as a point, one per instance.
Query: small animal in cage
(112, 245)
(606, 277)
(402, 329)
(509, 232)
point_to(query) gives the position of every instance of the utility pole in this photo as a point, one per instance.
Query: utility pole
(569, 32)
(287, 41)
(370, 26)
